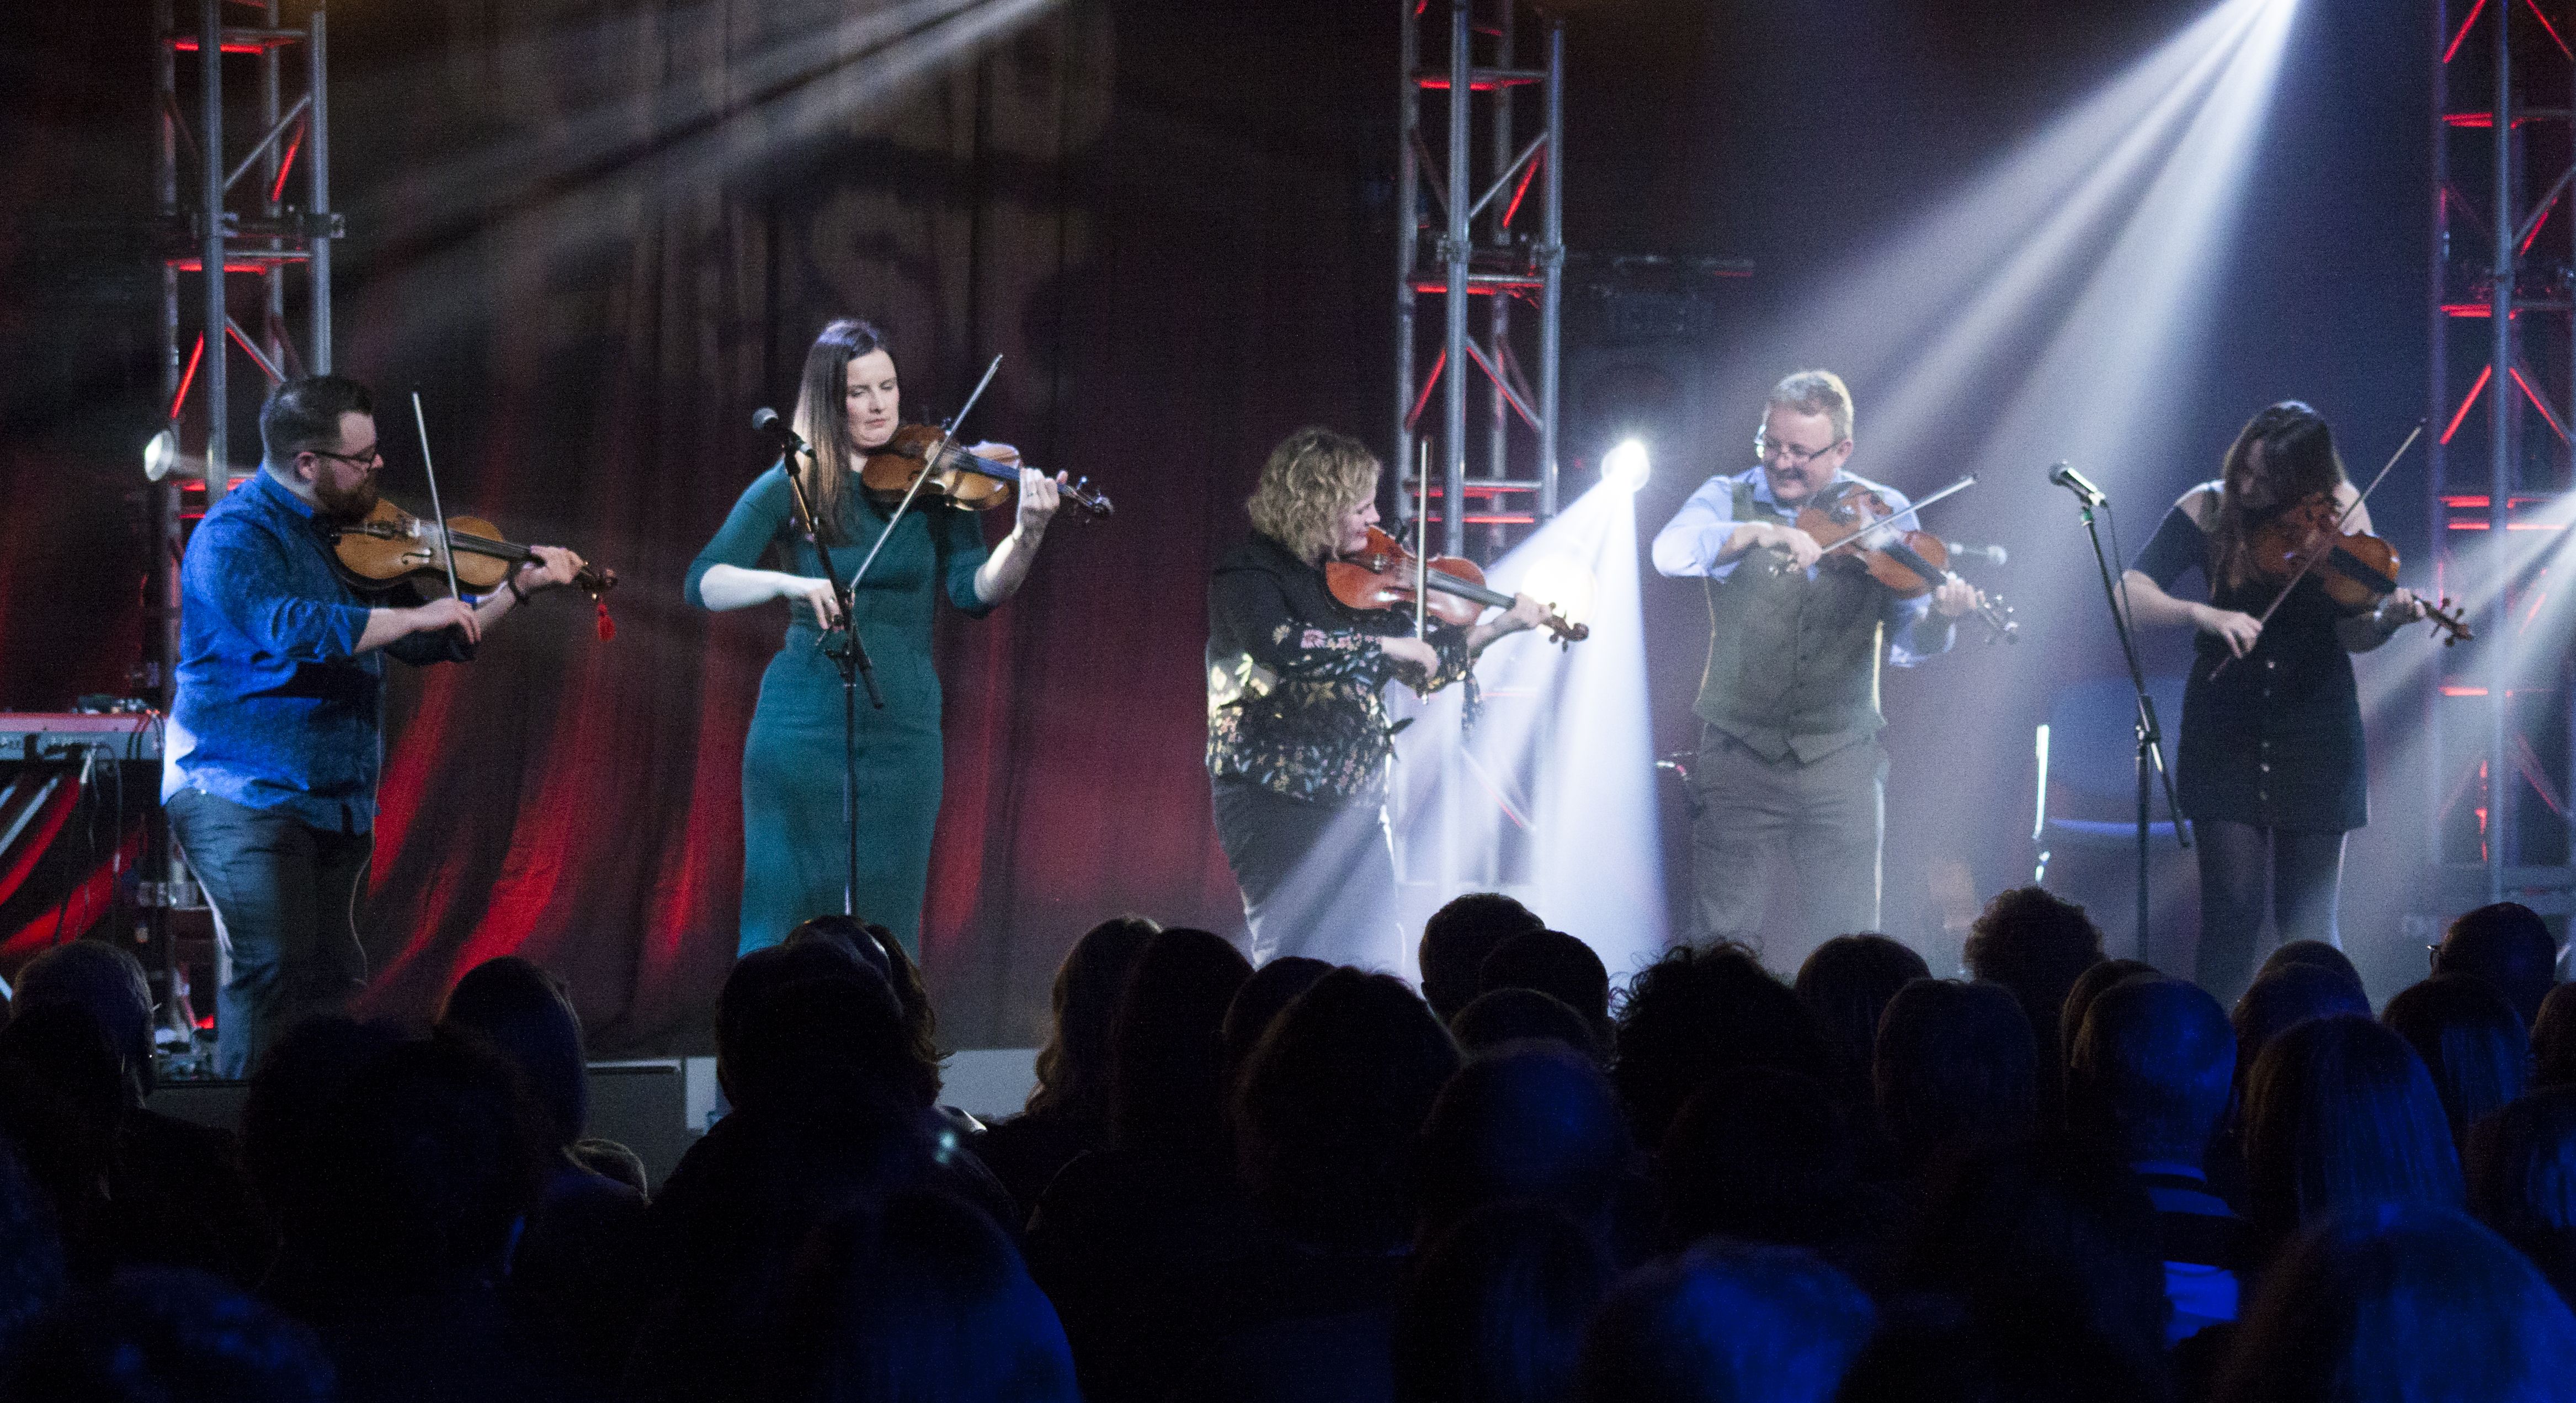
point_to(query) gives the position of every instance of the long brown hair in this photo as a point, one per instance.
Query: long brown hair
(2299, 462)
(1313, 476)
(823, 418)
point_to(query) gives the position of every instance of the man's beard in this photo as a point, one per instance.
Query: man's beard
(348, 507)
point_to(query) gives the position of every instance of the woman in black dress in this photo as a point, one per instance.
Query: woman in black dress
(2272, 768)
(1298, 735)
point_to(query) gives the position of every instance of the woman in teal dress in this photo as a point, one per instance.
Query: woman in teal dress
(794, 848)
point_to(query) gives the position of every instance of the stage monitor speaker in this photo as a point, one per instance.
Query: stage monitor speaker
(641, 1105)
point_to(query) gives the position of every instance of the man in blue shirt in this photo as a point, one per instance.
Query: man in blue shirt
(1790, 768)
(275, 738)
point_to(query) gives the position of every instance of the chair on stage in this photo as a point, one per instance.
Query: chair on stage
(2086, 802)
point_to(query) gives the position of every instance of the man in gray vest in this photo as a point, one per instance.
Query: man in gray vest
(1790, 766)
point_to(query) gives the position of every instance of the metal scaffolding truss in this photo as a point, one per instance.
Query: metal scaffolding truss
(226, 218)
(2502, 715)
(232, 213)
(1480, 246)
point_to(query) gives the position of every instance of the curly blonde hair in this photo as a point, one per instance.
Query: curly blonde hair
(1312, 478)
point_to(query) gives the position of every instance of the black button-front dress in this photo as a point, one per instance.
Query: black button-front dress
(2275, 739)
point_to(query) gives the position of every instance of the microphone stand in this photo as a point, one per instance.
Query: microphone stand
(849, 656)
(2151, 754)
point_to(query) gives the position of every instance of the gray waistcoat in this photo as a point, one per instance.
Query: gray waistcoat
(1792, 662)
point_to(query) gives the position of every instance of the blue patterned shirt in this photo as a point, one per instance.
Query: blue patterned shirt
(277, 708)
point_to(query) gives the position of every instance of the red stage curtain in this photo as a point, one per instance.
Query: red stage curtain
(597, 236)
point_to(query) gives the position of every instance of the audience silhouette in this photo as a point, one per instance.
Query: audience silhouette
(2070, 1179)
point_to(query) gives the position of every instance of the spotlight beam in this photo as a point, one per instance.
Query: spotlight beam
(1578, 727)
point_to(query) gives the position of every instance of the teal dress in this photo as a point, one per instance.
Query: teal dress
(794, 853)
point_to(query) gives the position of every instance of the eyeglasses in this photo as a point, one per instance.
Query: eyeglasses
(373, 454)
(1790, 456)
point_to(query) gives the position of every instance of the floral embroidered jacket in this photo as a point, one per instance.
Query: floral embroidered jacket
(1295, 681)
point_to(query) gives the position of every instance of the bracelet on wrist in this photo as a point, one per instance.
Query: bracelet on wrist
(513, 583)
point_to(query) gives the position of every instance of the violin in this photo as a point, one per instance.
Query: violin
(1854, 525)
(1383, 576)
(393, 545)
(954, 475)
(2356, 569)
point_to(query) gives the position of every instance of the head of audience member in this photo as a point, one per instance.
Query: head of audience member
(2088, 987)
(2150, 1072)
(828, 1045)
(431, 1153)
(1534, 1120)
(2508, 946)
(1932, 1349)
(2553, 1039)
(1847, 982)
(1495, 1308)
(1726, 1322)
(1258, 1003)
(1073, 1067)
(2283, 998)
(1758, 1155)
(108, 983)
(1955, 1065)
(2471, 1041)
(613, 1161)
(286, 1126)
(1329, 1111)
(759, 977)
(1167, 1080)
(2045, 1247)
(2036, 944)
(150, 1335)
(2340, 1111)
(1552, 962)
(917, 1297)
(63, 1100)
(2313, 952)
(2522, 1180)
(2405, 1302)
(1696, 1012)
(31, 1251)
(1513, 1015)
(1456, 940)
(849, 935)
(882, 951)
(524, 1012)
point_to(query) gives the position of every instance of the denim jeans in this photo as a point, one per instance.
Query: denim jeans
(285, 896)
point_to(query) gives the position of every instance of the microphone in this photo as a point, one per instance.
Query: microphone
(766, 421)
(2067, 477)
(1992, 555)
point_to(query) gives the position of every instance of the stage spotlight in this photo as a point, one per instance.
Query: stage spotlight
(162, 459)
(161, 455)
(1626, 467)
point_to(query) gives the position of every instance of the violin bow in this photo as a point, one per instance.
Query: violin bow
(1854, 534)
(1422, 542)
(929, 460)
(2314, 556)
(446, 553)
